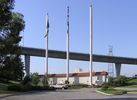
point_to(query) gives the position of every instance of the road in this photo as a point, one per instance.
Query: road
(78, 94)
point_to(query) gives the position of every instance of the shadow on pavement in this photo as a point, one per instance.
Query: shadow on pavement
(25, 93)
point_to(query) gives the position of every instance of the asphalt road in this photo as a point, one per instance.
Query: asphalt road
(78, 94)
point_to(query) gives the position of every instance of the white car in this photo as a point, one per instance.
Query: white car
(59, 86)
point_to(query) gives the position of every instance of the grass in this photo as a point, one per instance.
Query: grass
(132, 81)
(130, 86)
(113, 91)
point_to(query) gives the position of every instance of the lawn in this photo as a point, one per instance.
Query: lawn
(113, 91)
(132, 81)
(130, 86)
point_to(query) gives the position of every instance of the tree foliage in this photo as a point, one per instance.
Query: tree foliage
(11, 24)
(5, 15)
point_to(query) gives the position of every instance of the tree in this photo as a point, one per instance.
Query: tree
(11, 24)
(5, 15)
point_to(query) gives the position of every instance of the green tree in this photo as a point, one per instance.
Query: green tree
(11, 24)
(5, 15)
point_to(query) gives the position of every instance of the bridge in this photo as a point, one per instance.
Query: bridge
(27, 51)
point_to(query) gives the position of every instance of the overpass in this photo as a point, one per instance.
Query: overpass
(27, 51)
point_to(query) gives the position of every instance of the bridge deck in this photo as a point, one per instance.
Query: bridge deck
(78, 56)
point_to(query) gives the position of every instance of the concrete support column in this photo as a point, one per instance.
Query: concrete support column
(27, 65)
(118, 69)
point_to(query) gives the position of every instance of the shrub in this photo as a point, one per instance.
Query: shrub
(19, 88)
(111, 81)
(3, 80)
(66, 82)
(105, 86)
(26, 80)
(120, 81)
(35, 79)
(77, 86)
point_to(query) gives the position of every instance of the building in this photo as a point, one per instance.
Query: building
(80, 77)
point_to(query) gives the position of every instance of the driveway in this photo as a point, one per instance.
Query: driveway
(77, 94)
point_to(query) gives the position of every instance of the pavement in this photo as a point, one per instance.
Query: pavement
(74, 94)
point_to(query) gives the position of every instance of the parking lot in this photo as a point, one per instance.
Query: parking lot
(77, 94)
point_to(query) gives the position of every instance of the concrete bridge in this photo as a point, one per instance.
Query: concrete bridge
(76, 56)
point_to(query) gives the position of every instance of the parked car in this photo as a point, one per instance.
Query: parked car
(59, 86)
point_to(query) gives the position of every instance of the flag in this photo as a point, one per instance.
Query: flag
(47, 25)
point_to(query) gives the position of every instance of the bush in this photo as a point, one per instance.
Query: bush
(26, 80)
(77, 86)
(19, 88)
(25, 88)
(111, 81)
(66, 82)
(105, 86)
(120, 81)
(35, 79)
(3, 80)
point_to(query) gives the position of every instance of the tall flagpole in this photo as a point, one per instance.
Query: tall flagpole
(67, 46)
(91, 48)
(46, 53)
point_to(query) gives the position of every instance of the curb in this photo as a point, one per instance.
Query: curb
(104, 93)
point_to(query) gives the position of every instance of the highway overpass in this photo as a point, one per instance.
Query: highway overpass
(27, 51)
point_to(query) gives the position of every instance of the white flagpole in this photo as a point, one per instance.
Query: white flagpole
(91, 57)
(67, 46)
(46, 53)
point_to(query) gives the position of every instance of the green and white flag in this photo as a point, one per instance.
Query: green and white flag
(47, 25)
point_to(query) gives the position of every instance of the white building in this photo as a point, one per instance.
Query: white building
(80, 77)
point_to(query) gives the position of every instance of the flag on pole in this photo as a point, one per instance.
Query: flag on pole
(91, 57)
(67, 46)
(46, 36)
(47, 25)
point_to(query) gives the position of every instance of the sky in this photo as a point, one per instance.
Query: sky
(114, 23)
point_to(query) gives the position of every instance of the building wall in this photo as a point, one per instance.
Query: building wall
(97, 80)
(84, 80)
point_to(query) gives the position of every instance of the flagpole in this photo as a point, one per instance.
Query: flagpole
(67, 46)
(46, 53)
(91, 48)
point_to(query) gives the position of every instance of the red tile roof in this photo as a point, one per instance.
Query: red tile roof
(79, 74)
